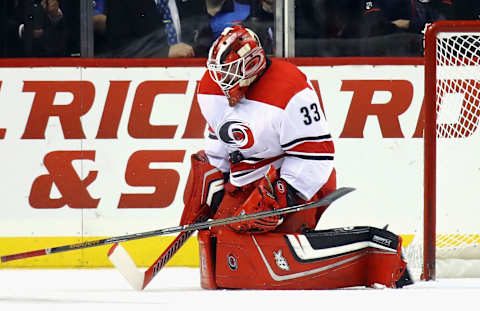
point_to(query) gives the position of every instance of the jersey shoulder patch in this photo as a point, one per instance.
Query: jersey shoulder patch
(208, 87)
(278, 85)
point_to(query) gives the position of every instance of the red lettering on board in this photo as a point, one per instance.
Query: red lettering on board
(2, 131)
(387, 113)
(61, 173)
(196, 124)
(139, 124)
(316, 87)
(139, 174)
(43, 107)
(420, 122)
(113, 110)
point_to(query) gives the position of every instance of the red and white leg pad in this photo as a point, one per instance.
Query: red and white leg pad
(207, 242)
(203, 191)
(327, 259)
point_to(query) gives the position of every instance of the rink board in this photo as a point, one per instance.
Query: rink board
(144, 252)
(94, 148)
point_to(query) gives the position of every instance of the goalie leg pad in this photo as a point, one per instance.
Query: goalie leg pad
(327, 259)
(206, 243)
(203, 191)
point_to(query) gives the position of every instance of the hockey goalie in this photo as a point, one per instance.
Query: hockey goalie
(269, 147)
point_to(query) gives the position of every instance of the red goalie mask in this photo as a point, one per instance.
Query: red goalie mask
(235, 60)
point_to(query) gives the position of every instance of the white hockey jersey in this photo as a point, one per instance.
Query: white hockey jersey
(279, 121)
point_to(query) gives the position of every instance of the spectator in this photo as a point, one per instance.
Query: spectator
(311, 25)
(356, 28)
(465, 10)
(262, 21)
(3, 28)
(428, 11)
(374, 18)
(71, 13)
(226, 13)
(311, 19)
(35, 28)
(254, 14)
(144, 28)
(99, 17)
(99, 27)
(193, 18)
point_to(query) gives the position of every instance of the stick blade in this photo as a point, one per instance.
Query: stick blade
(124, 263)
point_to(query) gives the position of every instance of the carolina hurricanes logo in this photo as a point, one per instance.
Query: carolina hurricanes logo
(232, 262)
(236, 133)
(254, 62)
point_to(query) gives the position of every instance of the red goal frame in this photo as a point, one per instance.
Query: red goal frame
(430, 134)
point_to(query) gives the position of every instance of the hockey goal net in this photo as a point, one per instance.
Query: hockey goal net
(451, 222)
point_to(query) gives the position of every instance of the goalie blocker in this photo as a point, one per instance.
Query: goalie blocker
(327, 259)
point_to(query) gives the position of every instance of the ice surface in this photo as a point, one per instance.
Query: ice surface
(179, 289)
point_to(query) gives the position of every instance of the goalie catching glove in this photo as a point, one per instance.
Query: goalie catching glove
(269, 194)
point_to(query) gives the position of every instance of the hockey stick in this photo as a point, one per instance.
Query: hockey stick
(124, 263)
(138, 278)
(328, 199)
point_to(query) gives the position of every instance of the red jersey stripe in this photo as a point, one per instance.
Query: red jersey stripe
(242, 166)
(314, 147)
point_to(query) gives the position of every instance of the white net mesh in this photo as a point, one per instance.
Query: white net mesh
(458, 147)
(458, 84)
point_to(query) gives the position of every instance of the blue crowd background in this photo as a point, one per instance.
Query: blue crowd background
(186, 28)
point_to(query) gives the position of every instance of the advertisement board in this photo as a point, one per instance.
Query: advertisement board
(94, 149)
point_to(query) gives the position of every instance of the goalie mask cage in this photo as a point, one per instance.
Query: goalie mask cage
(451, 221)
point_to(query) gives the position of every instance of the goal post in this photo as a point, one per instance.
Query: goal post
(452, 113)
